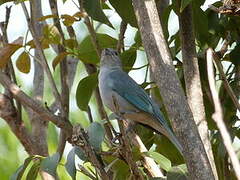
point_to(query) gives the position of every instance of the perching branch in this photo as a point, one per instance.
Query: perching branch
(80, 139)
(173, 96)
(125, 147)
(149, 164)
(218, 115)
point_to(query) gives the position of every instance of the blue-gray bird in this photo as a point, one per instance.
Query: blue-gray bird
(121, 94)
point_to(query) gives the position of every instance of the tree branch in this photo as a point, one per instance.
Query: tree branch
(192, 80)
(9, 114)
(225, 81)
(80, 139)
(218, 115)
(35, 106)
(173, 96)
(43, 58)
(39, 126)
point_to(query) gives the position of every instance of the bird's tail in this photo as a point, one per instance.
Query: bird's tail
(165, 130)
(173, 139)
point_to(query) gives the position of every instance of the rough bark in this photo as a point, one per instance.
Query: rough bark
(192, 80)
(173, 96)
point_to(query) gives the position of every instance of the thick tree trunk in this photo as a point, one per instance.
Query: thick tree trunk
(171, 91)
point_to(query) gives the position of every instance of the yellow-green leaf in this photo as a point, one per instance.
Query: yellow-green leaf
(44, 43)
(58, 59)
(43, 18)
(51, 33)
(7, 51)
(23, 63)
(68, 20)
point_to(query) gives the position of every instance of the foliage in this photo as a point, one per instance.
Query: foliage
(211, 30)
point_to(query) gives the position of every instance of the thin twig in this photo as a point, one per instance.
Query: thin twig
(64, 77)
(80, 139)
(225, 81)
(43, 58)
(218, 114)
(120, 44)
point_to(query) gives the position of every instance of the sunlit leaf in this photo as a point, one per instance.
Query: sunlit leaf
(160, 159)
(51, 33)
(4, 1)
(33, 172)
(87, 52)
(19, 172)
(178, 173)
(44, 43)
(125, 10)
(84, 91)
(43, 18)
(58, 59)
(7, 51)
(49, 164)
(23, 63)
(94, 10)
(96, 135)
(68, 20)
(70, 165)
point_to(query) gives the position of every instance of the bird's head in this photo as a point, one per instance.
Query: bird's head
(110, 58)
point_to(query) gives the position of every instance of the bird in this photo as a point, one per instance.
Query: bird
(121, 94)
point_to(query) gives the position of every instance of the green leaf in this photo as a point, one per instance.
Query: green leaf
(178, 173)
(19, 172)
(125, 10)
(80, 153)
(7, 51)
(4, 1)
(85, 89)
(94, 10)
(50, 164)
(33, 172)
(164, 162)
(128, 58)
(86, 51)
(23, 63)
(235, 55)
(184, 4)
(138, 40)
(96, 135)
(70, 165)
(58, 59)
(166, 148)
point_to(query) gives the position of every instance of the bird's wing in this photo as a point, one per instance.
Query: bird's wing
(127, 88)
